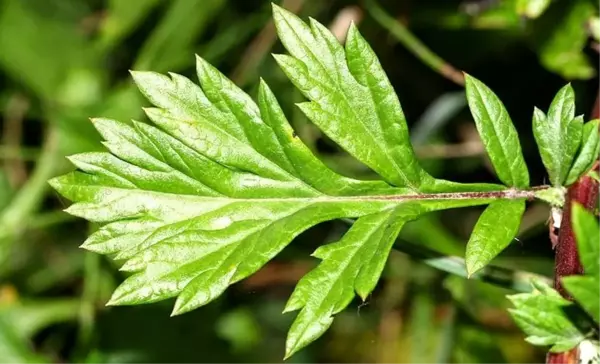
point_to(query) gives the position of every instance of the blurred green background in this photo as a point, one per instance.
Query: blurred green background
(63, 61)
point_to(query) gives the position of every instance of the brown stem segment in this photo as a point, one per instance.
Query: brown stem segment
(584, 192)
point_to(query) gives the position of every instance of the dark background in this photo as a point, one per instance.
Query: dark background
(63, 61)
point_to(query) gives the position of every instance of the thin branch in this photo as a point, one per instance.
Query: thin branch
(14, 114)
(27, 200)
(413, 44)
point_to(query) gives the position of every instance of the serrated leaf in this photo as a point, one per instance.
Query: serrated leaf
(495, 230)
(211, 196)
(497, 133)
(586, 292)
(217, 185)
(586, 231)
(349, 85)
(558, 135)
(588, 153)
(541, 316)
(350, 265)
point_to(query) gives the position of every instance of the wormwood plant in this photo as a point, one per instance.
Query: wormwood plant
(219, 185)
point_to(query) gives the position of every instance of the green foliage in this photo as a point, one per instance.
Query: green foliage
(541, 315)
(558, 135)
(531, 8)
(586, 289)
(562, 48)
(219, 184)
(497, 133)
(495, 229)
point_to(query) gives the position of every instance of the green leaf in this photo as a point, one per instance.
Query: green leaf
(497, 133)
(586, 291)
(494, 231)
(350, 265)
(586, 230)
(349, 86)
(541, 315)
(212, 195)
(558, 135)
(216, 185)
(588, 153)
(123, 17)
(531, 8)
(564, 41)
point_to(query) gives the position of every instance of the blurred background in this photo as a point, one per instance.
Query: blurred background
(63, 61)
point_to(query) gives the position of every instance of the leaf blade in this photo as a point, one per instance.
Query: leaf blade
(497, 133)
(589, 151)
(558, 135)
(489, 237)
(586, 230)
(328, 289)
(541, 316)
(340, 88)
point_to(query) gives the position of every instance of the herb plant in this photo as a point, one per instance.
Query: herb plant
(217, 185)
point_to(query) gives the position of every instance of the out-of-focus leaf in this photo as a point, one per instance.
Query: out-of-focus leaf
(240, 328)
(38, 48)
(171, 43)
(562, 49)
(15, 348)
(123, 17)
(594, 26)
(474, 345)
(531, 8)
(437, 115)
(30, 317)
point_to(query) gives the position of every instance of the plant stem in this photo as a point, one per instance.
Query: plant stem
(413, 44)
(30, 195)
(584, 192)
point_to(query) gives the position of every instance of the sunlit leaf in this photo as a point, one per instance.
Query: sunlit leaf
(497, 133)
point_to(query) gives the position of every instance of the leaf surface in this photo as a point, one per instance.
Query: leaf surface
(586, 230)
(586, 291)
(588, 153)
(350, 85)
(497, 133)
(558, 135)
(541, 315)
(496, 228)
(217, 185)
(350, 265)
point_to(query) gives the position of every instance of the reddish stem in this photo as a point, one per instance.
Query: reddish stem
(584, 192)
